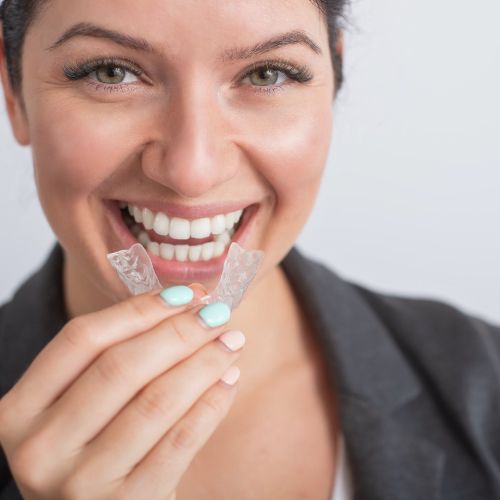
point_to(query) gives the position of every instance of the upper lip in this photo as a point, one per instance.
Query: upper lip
(190, 212)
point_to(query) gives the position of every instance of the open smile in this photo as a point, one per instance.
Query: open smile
(183, 249)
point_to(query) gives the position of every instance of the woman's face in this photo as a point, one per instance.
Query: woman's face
(174, 125)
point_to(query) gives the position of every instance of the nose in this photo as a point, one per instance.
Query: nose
(192, 153)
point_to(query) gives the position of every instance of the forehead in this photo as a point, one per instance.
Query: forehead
(177, 26)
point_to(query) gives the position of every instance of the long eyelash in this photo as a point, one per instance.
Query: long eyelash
(300, 74)
(78, 70)
(82, 69)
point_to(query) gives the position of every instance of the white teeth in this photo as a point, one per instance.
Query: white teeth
(180, 229)
(161, 224)
(181, 252)
(218, 224)
(229, 220)
(183, 229)
(224, 238)
(194, 253)
(137, 215)
(154, 248)
(207, 250)
(200, 228)
(219, 248)
(222, 226)
(148, 218)
(167, 251)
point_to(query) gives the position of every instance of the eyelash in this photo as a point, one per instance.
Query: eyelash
(82, 70)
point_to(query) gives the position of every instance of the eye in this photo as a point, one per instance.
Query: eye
(107, 74)
(265, 76)
(112, 74)
(270, 76)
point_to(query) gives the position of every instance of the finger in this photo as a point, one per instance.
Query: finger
(162, 469)
(81, 341)
(157, 408)
(118, 374)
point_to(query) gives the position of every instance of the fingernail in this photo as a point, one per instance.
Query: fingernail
(233, 340)
(215, 314)
(231, 376)
(177, 295)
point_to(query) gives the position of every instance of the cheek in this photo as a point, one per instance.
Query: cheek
(291, 152)
(76, 148)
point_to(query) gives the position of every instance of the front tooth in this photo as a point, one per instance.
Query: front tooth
(218, 224)
(167, 251)
(180, 229)
(137, 215)
(219, 248)
(154, 248)
(194, 253)
(224, 237)
(131, 210)
(161, 224)
(207, 250)
(148, 218)
(229, 220)
(181, 252)
(200, 228)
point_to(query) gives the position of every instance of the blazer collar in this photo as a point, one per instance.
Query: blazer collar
(371, 377)
(373, 381)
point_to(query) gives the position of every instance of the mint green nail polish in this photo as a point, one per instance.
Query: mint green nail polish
(177, 295)
(215, 314)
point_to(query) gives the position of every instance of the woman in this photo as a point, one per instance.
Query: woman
(186, 125)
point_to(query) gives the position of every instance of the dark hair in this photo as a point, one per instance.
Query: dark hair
(17, 16)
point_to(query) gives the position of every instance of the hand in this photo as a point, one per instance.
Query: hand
(117, 405)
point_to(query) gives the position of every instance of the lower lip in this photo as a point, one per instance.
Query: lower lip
(183, 272)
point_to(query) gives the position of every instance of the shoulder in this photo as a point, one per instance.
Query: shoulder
(417, 323)
(436, 329)
(31, 318)
(418, 381)
(413, 318)
(447, 349)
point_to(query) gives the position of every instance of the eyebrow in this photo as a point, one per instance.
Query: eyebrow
(289, 38)
(92, 30)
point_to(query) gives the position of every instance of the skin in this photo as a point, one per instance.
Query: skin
(184, 134)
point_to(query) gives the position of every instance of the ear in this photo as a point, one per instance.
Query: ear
(338, 58)
(339, 44)
(13, 102)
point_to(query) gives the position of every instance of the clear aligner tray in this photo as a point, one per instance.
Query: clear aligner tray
(135, 269)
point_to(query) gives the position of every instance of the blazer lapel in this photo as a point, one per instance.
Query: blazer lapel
(31, 319)
(373, 382)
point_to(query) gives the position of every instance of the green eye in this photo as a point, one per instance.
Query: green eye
(275, 74)
(110, 74)
(266, 76)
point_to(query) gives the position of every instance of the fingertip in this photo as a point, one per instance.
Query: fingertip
(199, 290)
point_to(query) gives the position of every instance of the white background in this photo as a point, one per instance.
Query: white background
(410, 200)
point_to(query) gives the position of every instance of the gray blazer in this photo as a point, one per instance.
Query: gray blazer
(418, 381)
